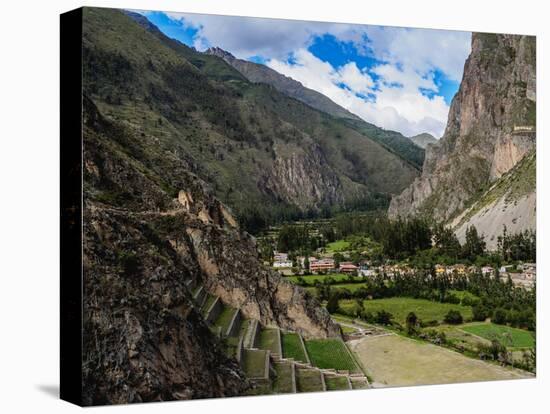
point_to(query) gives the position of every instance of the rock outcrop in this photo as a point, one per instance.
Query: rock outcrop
(144, 340)
(490, 129)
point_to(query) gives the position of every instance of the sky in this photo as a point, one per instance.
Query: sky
(396, 78)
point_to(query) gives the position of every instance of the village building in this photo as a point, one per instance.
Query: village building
(283, 263)
(302, 260)
(280, 257)
(348, 267)
(321, 265)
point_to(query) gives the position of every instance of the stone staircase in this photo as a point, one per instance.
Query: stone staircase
(275, 362)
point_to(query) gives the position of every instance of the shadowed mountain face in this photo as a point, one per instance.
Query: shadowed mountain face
(490, 130)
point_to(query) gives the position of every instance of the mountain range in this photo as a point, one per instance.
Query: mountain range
(267, 155)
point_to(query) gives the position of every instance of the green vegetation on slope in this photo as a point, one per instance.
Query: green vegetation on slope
(400, 307)
(506, 335)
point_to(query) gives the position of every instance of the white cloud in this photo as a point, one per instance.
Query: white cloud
(422, 49)
(404, 109)
(410, 57)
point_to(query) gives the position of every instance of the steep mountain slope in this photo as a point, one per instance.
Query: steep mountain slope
(144, 340)
(257, 73)
(510, 202)
(482, 140)
(422, 140)
(264, 154)
(262, 74)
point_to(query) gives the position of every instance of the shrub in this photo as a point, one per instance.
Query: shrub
(453, 317)
(383, 317)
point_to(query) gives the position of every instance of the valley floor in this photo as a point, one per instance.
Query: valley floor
(392, 360)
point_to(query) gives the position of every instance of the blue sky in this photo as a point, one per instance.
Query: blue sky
(396, 78)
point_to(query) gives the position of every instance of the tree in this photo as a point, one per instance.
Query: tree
(446, 242)
(499, 317)
(474, 245)
(453, 317)
(479, 313)
(411, 322)
(332, 304)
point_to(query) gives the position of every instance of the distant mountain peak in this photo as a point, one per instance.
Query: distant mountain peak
(219, 52)
(424, 139)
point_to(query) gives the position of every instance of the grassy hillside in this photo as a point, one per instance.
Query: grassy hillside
(267, 156)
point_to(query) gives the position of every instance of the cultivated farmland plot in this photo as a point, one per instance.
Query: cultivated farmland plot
(292, 347)
(331, 353)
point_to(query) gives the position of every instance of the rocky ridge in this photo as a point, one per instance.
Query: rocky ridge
(488, 130)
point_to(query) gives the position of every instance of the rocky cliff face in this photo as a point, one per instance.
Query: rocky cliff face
(481, 141)
(143, 338)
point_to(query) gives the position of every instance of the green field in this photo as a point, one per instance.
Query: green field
(400, 307)
(330, 353)
(508, 336)
(292, 347)
(336, 383)
(337, 246)
(269, 339)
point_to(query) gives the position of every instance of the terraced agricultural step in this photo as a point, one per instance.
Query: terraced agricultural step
(359, 383)
(293, 347)
(213, 311)
(235, 324)
(255, 363)
(208, 301)
(285, 379)
(224, 319)
(331, 353)
(270, 339)
(198, 294)
(309, 380)
(251, 335)
(337, 382)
